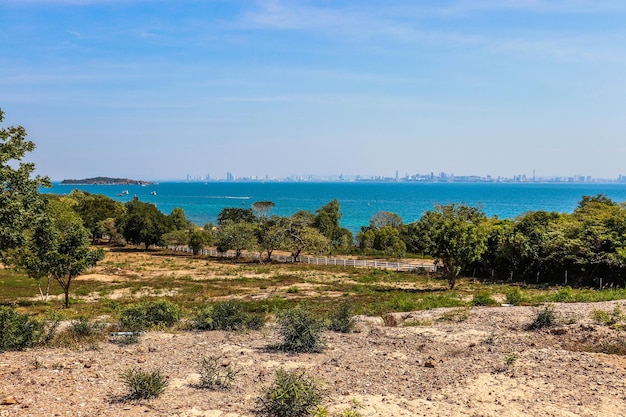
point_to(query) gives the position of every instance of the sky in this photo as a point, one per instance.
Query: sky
(159, 89)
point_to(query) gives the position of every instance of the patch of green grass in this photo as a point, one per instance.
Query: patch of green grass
(17, 285)
(445, 299)
(403, 302)
(483, 298)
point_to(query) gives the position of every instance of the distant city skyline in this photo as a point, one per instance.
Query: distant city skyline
(152, 89)
(429, 177)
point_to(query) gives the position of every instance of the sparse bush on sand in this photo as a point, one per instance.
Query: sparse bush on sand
(291, 394)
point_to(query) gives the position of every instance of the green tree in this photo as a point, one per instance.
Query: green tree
(595, 240)
(262, 208)
(301, 236)
(238, 237)
(386, 218)
(199, 238)
(236, 215)
(144, 224)
(179, 219)
(454, 234)
(326, 221)
(271, 235)
(176, 238)
(365, 239)
(387, 239)
(19, 197)
(527, 246)
(59, 246)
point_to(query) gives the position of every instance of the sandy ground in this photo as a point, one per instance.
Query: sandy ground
(435, 368)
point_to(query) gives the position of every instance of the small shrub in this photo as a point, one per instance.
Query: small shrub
(140, 317)
(17, 330)
(80, 332)
(341, 320)
(301, 330)
(492, 339)
(162, 313)
(292, 394)
(228, 315)
(515, 296)
(213, 375)
(483, 298)
(608, 318)
(511, 358)
(293, 290)
(50, 324)
(144, 384)
(544, 317)
(85, 328)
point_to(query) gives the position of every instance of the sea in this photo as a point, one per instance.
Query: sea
(359, 201)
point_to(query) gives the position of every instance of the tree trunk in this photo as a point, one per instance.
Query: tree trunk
(40, 290)
(451, 280)
(48, 288)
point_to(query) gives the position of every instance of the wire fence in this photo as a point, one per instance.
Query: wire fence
(316, 260)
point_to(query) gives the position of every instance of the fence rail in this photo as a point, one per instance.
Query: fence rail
(314, 260)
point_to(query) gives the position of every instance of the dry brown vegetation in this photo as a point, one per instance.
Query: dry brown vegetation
(458, 361)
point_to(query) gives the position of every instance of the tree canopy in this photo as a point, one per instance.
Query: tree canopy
(144, 224)
(19, 197)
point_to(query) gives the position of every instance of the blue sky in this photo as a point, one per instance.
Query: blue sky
(155, 89)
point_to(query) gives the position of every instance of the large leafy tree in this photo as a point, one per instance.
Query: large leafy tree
(326, 221)
(19, 197)
(596, 240)
(454, 234)
(238, 236)
(144, 224)
(271, 235)
(302, 237)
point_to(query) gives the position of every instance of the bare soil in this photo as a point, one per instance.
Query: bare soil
(477, 362)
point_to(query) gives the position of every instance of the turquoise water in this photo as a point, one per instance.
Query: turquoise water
(202, 202)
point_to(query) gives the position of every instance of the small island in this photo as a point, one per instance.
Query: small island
(105, 181)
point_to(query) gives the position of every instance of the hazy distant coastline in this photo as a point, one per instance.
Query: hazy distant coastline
(105, 181)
